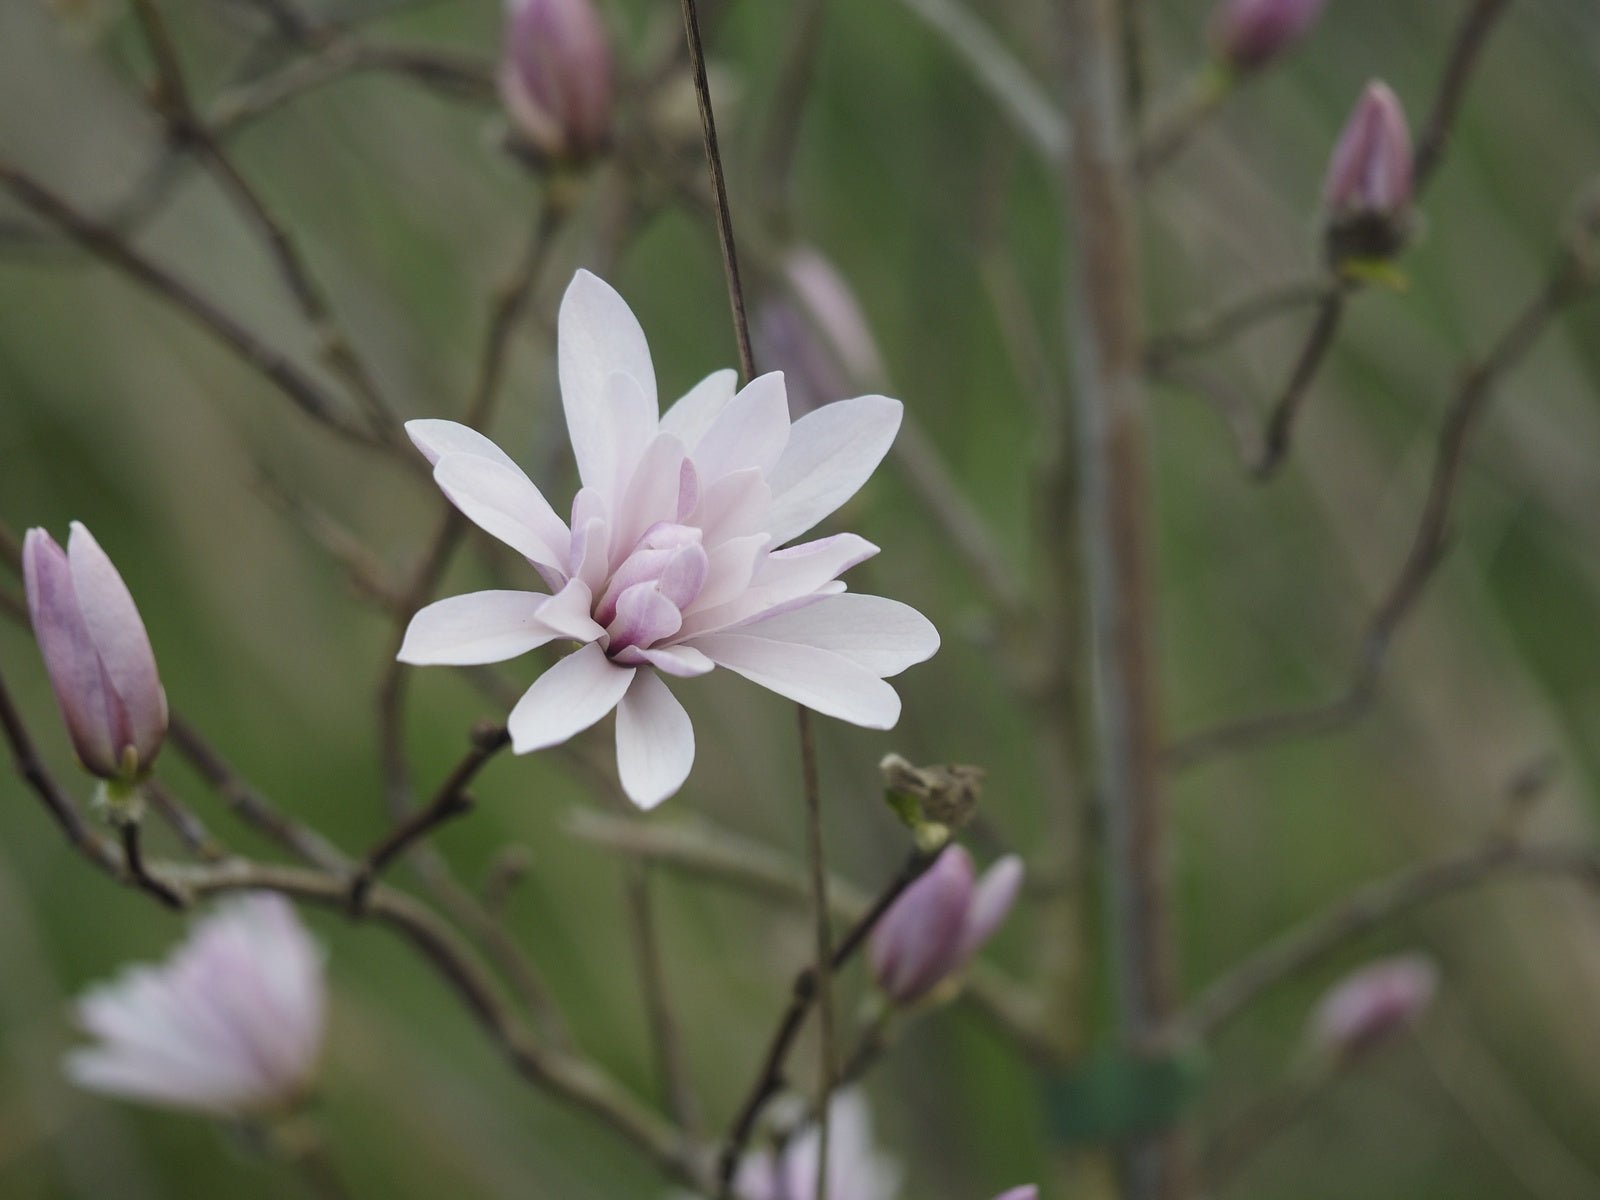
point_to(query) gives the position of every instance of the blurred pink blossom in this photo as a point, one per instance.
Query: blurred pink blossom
(556, 76)
(1250, 33)
(1373, 1003)
(814, 331)
(230, 1025)
(940, 922)
(671, 566)
(96, 652)
(856, 1169)
(1370, 171)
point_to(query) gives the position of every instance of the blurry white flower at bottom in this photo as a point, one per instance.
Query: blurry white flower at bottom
(229, 1025)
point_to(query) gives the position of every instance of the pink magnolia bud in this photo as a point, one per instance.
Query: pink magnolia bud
(1250, 33)
(1367, 1007)
(815, 333)
(940, 922)
(556, 76)
(97, 654)
(230, 1024)
(1369, 189)
(1030, 1192)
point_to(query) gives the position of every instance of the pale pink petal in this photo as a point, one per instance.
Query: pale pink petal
(567, 613)
(690, 417)
(644, 617)
(685, 662)
(590, 559)
(504, 503)
(831, 685)
(882, 635)
(992, 899)
(81, 688)
(437, 438)
(480, 627)
(597, 335)
(567, 699)
(729, 569)
(631, 423)
(734, 506)
(918, 941)
(784, 580)
(119, 639)
(651, 496)
(750, 431)
(830, 454)
(1030, 1192)
(655, 741)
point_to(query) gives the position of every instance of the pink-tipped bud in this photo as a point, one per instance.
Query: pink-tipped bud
(939, 922)
(1369, 189)
(556, 77)
(97, 654)
(1249, 34)
(815, 332)
(1370, 1005)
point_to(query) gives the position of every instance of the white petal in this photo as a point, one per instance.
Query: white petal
(831, 453)
(597, 335)
(630, 424)
(729, 569)
(503, 502)
(437, 438)
(655, 741)
(591, 558)
(874, 632)
(690, 417)
(652, 494)
(820, 680)
(482, 627)
(751, 431)
(567, 699)
(683, 661)
(567, 613)
(734, 506)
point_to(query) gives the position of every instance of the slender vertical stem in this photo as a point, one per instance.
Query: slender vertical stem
(819, 900)
(1114, 498)
(719, 188)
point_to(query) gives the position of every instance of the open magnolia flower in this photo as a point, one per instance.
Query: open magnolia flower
(671, 564)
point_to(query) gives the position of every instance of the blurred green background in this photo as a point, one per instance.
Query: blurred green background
(116, 412)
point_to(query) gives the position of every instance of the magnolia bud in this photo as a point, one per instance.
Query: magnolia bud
(1368, 190)
(1370, 1005)
(1248, 34)
(556, 77)
(816, 334)
(97, 654)
(1031, 1192)
(939, 923)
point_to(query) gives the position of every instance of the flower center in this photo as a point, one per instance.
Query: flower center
(650, 589)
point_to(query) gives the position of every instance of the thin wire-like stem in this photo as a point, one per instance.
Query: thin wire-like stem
(816, 862)
(1571, 279)
(719, 188)
(133, 858)
(1281, 421)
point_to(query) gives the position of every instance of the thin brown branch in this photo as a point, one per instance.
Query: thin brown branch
(1232, 320)
(139, 875)
(1280, 422)
(1371, 907)
(719, 188)
(1571, 279)
(1465, 52)
(450, 801)
(803, 995)
(110, 247)
(184, 821)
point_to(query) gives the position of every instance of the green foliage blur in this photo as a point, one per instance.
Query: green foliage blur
(948, 226)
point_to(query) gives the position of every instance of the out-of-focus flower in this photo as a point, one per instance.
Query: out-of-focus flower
(1368, 1006)
(1031, 1192)
(940, 922)
(230, 1024)
(670, 564)
(856, 1170)
(813, 330)
(1369, 189)
(96, 652)
(556, 76)
(1248, 34)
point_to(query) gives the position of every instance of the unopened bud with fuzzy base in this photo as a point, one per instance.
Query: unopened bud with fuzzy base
(1369, 188)
(1249, 34)
(98, 657)
(556, 78)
